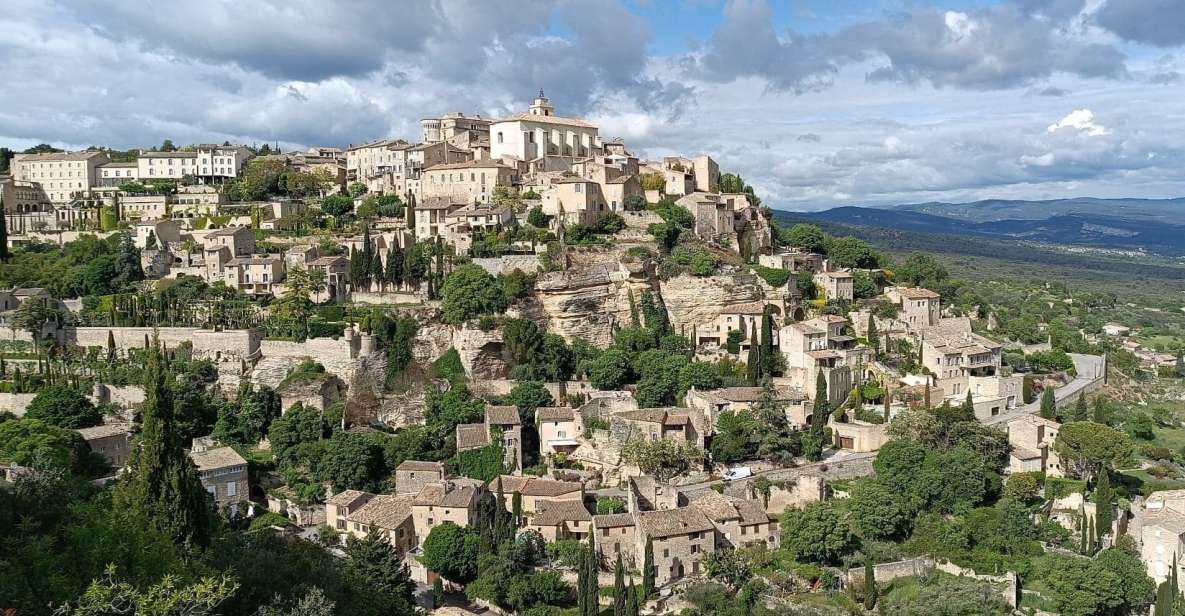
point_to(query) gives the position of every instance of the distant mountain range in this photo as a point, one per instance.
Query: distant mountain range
(1152, 225)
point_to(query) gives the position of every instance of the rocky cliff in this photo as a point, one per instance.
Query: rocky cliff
(693, 300)
(586, 301)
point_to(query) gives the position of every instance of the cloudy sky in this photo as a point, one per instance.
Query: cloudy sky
(817, 103)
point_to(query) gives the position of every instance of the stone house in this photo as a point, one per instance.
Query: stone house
(466, 182)
(165, 233)
(1160, 530)
(836, 285)
(283, 501)
(574, 200)
(858, 436)
(615, 535)
(919, 308)
(539, 134)
(412, 475)
(451, 500)
(706, 405)
(224, 475)
(656, 423)
(793, 260)
(954, 356)
(337, 276)
(645, 493)
(387, 514)
(110, 441)
(478, 218)
(534, 491)
(239, 240)
(681, 540)
(432, 216)
(498, 420)
(559, 428)
(743, 317)
(62, 175)
(1031, 439)
(739, 522)
(317, 392)
(819, 345)
(339, 506)
(561, 519)
(254, 275)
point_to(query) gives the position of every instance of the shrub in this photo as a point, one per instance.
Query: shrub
(775, 277)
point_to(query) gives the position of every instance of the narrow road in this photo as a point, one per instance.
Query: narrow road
(840, 465)
(1089, 368)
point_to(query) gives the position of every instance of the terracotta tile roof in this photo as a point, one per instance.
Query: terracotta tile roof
(672, 522)
(747, 308)
(752, 511)
(554, 513)
(502, 416)
(739, 394)
(419, 465)
(385, 511)
(916, 293)
(472, 436)
(658, 416)
(613, 520)
(486, 163)
(451, 493)
(213, 459)
(716, 506)
(554, 413)
(534, 486)
(347, 497)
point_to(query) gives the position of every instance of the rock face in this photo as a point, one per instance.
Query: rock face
(693, 300)
(432, 340)
(481, 352)
(585, 302)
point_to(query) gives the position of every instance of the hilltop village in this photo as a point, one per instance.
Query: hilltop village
(510, 366)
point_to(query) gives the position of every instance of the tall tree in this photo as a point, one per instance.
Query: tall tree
(620, 600)
(1080, 412)
(375, 560)
(870, 589)
(1103, 495)
(822, 406)
(411, 212)
(1048, 408)
(767, 360)
(4, 255)
(874, 339)
(648, 569)
(162, 486)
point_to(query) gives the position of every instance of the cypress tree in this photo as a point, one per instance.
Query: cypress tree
(648, 569)
(822, 406)
(516, 503)
(1026, 389)
(1080, 412)
(874, 340)
(1100, 411)
(619, 597)
(438, 592)
(767, 344)
(1048, 405)
(888, 402)
(1082, 541)
(926, 394)
(376, 271)
(1092, 534)
(1102, 499)
(411, 213)
(870, 589)
(4, 255)
(3, 367)
(634, 608)
(593, 589)
(162, 486)
(968, 410)
(634, 321)
(752, 364)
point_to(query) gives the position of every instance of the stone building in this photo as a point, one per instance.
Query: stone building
(456, 128)
(745, 318)
(540, 134)
(62, 175)
(1160, 530)
(224, 475)
(656, 423)
(26, 205)
(920, 308)
(1032, 438)
(739, 522)
(558, 520)
(451, 500)
(239, 240)
(534, 491)
(110, 441)
(412, 475)
(466, 182)
(390, 515)
(836, 285)
(615, 536)
(559, 428)
(819, 345)
(681, 540)
(793, 260)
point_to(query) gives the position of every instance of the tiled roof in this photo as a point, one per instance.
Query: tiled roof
(747, 308)
(554, 413)
(385, 511)
(104, 431)
(613, 520)
(228, 231)
(486, 163)
(472, 436)
(660, 416)
(534, 486)
(53, 156)
(739, 394)
(752, 511)
(450, 493)
(672, 522)
(716, 506)
(212, 459)
(346, 497)
(554, 513)
(418, 465)
(916, 293)
(502, 416)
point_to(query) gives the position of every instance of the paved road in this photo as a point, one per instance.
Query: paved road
(1089, 368)
(839, 465)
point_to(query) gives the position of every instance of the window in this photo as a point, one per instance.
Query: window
(499, 137)
(232, 489)
(695, 549)
(666, 553)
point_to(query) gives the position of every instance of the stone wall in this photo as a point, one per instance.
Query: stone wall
(528, 264)
(124, 396)
(226, 345)
(15, 403)
(887, 572)
(793, 493)
(640, 219)
(369, 297)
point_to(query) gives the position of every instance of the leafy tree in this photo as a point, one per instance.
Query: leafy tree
(64, 407)
(851, 252)
(1114, 582)
(337, 205)
(34, 443)
(528, 396)
(736, 437)
(662, 458)
(1087, 448)
(807, 237)
(946, 596)
(107, 596)
(161, 485)
(816, 533)
(921, 269)
(452, 551)
(1140, 426)
(878, 512)
(610, 370)
(469, 291)
(297, 427)
(351, 462)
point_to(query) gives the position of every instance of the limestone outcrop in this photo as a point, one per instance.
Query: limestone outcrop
(586, 302)
(693, 300)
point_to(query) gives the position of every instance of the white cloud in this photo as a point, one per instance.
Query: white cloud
(1081, 120)
(1044, 160)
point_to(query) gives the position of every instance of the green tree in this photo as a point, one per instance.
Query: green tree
(161, 485)
(31, 442)
(620, 600)
(879, 513)
(469, 291)
(648, 572)
(169, 597)
(4, 254)
(351, 462)
(662, 458)
(807, 237)
(452, 551)
(1080, 413)
(1048, 408)
(921, 269)
(816, 533)
(297, 427)
(64, 407)
(1103, 498)
(375, 560)
(851, 252)
(870, 589)
(1086, 448)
